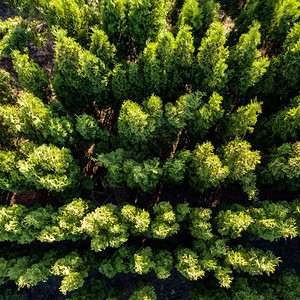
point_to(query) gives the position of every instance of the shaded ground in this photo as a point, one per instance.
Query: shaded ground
(6, 11)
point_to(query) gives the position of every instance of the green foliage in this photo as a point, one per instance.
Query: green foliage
(8, 87)
(188, 264)
(153, 66)
(241, 161)
(134, 125)
(183, 111)
(207, 115)
(174, 170)
(145, 20)
(80, 76)
(28, 270)
(286, 13)
(69, 15)
(211, 59)
(206, 169)
(113, 162)
(75, 221)
(273, 221)
(121, 261)
(119, 82)
(34, 79)
(15, 36)
(252, 260)
(200, 226)
(145, 175)
(164, 223)
(289, 63)
(144, 292)
(180, 61)
(163, 264)
(166, 63)
(244, 119)
(66, 222)
(32, 119)
(233, 223)
(143, 261)
(87, 126)
(11, 178)
(283, 166)
(143, 103)
(105, 228)
(73, 269)
(113, 13)
(285, 123)
(49, 167)
(139, 219)
(101, 47)
(246, 66)
(198, 15)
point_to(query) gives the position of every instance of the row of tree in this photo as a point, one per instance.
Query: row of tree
(112, 226)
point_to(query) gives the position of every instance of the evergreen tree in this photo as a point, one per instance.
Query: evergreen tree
(206, 169)
(244, 119)
(211, 59)
(81, 77)
(246, 66)
(34, 79)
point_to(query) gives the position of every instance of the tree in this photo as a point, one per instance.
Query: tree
(241, 162)
(211, 59)
(144, 292)
(188, 264)
(80, 75)
(289, 62)
(113, 16)
(206, 169)
(198, 15)
(283, 166)
(207, 115)
(145, 19)
(134, 126)
(164, 223)
(246, 64)
(34, 79)
(285, 123)
(15, 36)
(69, 15)
(8, 87)
(244, 119)
(34, 120)
(102, 48)
(49, 167)
(73, 270)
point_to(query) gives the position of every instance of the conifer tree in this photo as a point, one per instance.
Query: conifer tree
(145, 20)
(244, 119)
(211, 59)
(34, 79)
(289, 63)
(285, 123)
(246, 66)
(81, 77)
(206, 169)
(283, 167)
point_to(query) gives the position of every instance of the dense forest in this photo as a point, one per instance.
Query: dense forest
(150, 149)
